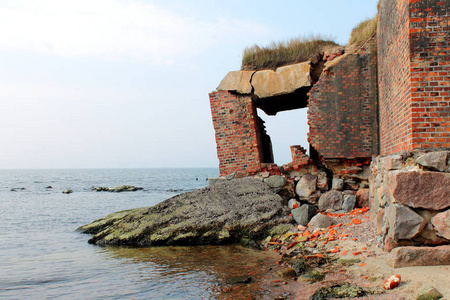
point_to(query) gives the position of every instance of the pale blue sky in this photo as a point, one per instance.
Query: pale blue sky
(117, 84)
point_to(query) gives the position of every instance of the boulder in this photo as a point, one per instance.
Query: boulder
(320, 221)
(276, 182)
(429, 190)
(284, 80)
(330, 200)
(337, 184)
(392, 162)
(238, 81)
(303, 214)
(349, 202)
(433, 160)
(419, 256)
(322, 181)
(220, 213)
(404, 223)
(118, 189)
(306, 186)
(429, 294)
(441, 223)
(362, 198)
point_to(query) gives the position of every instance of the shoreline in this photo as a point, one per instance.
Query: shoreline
(355, 242)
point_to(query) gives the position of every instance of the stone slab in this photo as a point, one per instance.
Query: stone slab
(419, 256)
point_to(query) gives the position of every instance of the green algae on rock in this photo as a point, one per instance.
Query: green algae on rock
(217, 214)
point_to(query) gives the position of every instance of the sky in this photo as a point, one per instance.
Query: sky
(125, 83)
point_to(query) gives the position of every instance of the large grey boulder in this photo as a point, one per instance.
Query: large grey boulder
(303, 214)
(330, 200)
(220, 213)
(320, 221)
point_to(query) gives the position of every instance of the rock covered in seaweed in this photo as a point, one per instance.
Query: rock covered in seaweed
(221, 213)
(118, 189)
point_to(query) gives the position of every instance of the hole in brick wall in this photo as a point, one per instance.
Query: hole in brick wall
(285, 129)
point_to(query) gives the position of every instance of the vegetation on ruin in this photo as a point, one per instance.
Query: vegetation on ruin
(362, 32)
(284, 53)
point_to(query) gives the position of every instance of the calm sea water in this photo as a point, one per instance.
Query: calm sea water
(43, 257)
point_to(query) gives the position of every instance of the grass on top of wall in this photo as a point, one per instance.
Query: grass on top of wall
(284, 53)
(362, 32)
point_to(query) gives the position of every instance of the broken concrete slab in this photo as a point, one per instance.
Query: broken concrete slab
(284, 80)
(238, 81)
(419, 256)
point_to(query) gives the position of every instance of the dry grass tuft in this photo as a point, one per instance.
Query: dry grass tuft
(283, 53)
(362, 32)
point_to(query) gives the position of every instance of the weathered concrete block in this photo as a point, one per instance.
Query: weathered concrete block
(284, 80)
(419, 256)
(238, 81)
(404, 223)
(434, 160)
(441, 223)
(429, 190)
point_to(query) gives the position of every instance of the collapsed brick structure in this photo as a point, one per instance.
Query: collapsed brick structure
(372, 114)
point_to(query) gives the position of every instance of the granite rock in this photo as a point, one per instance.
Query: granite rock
(303, 214)
(441, 223)
(331, 200)
(419, 256)
(404, 223)
(429, 190)
(433, 160)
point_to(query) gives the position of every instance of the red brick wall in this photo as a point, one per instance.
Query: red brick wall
(236, 128)
(342, 112)
(413, 75)
(430, 73)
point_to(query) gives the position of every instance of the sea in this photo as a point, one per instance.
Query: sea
(43, 256)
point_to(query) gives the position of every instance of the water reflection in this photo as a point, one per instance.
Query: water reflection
(206, 268)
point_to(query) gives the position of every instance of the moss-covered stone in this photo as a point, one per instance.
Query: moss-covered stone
(222, 213)
(338, 291)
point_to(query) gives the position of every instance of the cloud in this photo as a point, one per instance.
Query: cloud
(113, 28)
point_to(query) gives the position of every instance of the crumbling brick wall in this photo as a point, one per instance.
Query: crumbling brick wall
(237, 137)
(413, 75)
(342, 111)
